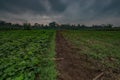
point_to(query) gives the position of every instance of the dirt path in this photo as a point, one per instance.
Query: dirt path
(73, 66)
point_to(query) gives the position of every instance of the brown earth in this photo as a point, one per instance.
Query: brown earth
(75, 66)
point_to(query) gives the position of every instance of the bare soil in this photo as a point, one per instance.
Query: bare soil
(75, 66)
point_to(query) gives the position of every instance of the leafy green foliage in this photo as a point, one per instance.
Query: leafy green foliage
(23, 54)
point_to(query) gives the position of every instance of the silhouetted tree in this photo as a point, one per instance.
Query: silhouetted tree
(27, 26)
(109, 25)
(52, 24)
(2, 22)
(36, 24)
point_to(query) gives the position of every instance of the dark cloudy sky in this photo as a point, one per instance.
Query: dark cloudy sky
(62, 11)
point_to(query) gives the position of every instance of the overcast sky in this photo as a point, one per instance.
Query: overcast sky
(62, 11)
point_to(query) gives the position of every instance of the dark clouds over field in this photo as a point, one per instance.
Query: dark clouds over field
(63, 11)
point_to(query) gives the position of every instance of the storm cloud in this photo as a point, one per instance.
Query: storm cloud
(62, 11)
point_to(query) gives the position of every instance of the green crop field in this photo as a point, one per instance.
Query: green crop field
(31, 54)
(27, 55)
(103, 46)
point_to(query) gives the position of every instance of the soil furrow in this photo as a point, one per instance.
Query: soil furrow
(73, 66)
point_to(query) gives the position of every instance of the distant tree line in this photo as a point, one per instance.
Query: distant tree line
(53, 25)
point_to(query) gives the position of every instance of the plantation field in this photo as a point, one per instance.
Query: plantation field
(27, 55)
(59, 55)
(103, 46)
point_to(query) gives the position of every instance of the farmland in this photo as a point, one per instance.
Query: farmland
(99, 45)
(27, 55)
(91, 53)
(59, 54)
